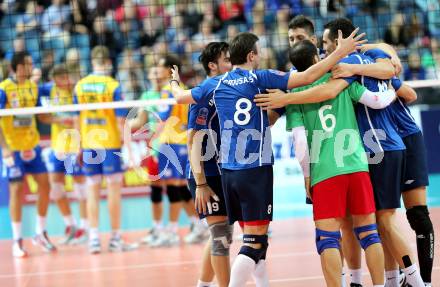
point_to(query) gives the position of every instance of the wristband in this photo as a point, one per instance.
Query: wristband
(201, 185)
(178, 83)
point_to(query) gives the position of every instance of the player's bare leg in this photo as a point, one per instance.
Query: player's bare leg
(93, 190)
(418, 217)
(80, 190)
(43, 201)
(216, 254)
(251, 257)
(58, 194)
(366, 231)
(328, 238)
(114, 186)
(351, 250)
(15, 212)
(397, 246)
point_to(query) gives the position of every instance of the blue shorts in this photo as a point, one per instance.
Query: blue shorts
(215, 183)
(248, 193)
(25, 162)
(387, 179)
(416, 171)
(102, 162)
(68, 166)
(172, 161)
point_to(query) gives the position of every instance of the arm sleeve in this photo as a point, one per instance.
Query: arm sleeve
(301, 149)
(198, 117)
(272, 79)
(377, 54)
(374, 100)
(117, 96)
(350, 60)
(3, 99)
(198, 93)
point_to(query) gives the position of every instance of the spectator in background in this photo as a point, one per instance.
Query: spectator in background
(128, 18)
(130, 75)
(191, 13)
(280, 38)
(231, 11)
(397, 33)
(36, 75)
(18, 45)
(203, 38)
(414, 71)
(231, 32)
(80, 20)
(54, 18)
(176, 35)
(103, 36)
(73, 64)
(4, 70)
(28, 23)
(151, 31)
(48, 62)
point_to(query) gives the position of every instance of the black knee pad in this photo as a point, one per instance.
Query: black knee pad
(185, 194)
(419, 220)
(156, 194)
(254, 253)
(173, 193)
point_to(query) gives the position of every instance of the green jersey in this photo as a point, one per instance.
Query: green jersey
(152, 116)
(333, 137)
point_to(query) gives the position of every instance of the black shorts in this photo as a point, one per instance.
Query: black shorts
(387, 179)
(416, 172)
(249, 193)
(215, 183)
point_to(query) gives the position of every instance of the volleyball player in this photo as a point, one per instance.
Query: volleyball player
(21, 153)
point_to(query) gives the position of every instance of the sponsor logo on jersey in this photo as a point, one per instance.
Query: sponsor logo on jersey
(202, 116)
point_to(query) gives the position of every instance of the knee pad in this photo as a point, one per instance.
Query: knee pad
(173, 193)
(419, 220)
(114, 178)
(221, 234)
(185, 194)
(57, 191)
(370, 239)
(254, 253)
(331, 240)
(80, 191)
(94, 179)
(156, 194)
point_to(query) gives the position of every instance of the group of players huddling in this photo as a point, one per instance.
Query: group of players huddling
(353, 135)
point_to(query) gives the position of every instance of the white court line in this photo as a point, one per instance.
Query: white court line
(155, 265)
(128, 267)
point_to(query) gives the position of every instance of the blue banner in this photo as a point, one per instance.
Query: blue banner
(431, 133)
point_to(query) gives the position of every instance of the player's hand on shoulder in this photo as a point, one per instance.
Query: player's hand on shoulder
(349, 44)
(397, 65)
(202, 202)
(175, 73)
(342, 71)
(274, 99)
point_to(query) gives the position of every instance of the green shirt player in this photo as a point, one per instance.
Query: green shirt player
(147, 118)
(338, 166)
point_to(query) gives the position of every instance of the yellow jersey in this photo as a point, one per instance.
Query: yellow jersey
(99, 128)
(175, 118)
(63, 139)
(20, 132)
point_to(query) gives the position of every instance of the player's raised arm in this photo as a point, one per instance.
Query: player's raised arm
(404, 91)
(181, 95)
(345, 47)
(395, 60)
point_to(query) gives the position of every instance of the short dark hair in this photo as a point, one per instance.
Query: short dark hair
(342, 24)
(212, 53)
(302, 55)
(303, 22)
(60, 69)
(241, 46)
(170, 60)
(18, 59)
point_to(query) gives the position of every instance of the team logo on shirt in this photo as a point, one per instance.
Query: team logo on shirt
(276, 72)
(202, 116)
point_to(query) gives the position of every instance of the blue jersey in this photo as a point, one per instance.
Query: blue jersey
(203, 116)
(377, 126)
(245, 132)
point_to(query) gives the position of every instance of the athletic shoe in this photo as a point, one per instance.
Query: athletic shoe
(18, 250)
(166, 239)
(94, 246)
(69, 232)
(43, 241)
(116, 244)
(196, 236)
(355, 285)
(402, 279)
(81, 237)
(153, 234)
